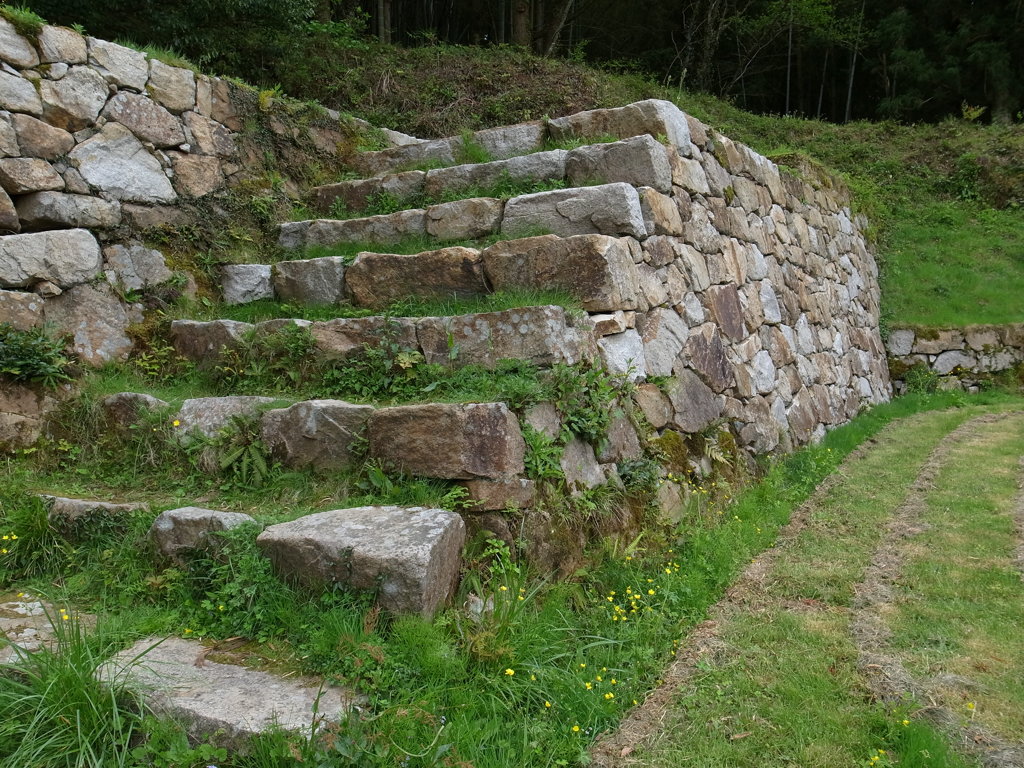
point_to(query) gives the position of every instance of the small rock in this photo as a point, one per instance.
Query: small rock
(178, 531)
(39, 139)
(126, 409)
(135, 267)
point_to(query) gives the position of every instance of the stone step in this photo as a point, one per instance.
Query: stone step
(226, 702)
(500, 143)
(357, 194)
(542, 335)
(598, 270)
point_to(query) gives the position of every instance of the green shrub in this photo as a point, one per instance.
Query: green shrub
(32, 356)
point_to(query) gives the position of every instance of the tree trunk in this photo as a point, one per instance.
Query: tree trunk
(521, 32)
(555, 15)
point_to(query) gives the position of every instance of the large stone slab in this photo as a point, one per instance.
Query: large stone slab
(208, 415)
(145, 118)
(387, 229)
(19, 95)
(135, 267)
(694, 405)
(96, 320)
(56, 210)
(61, 44)
(124, 67)
(115, 162)
(65, 512)
(62, 258)
(596, 269)
(22, 175)
(226, 704)
(204, 342)
(208, 136)
(380, 279)
(410, 555)
(607, 209)
(355, 195)
(705, 353)
(314, 433)
(539, 166)
(640, 161)
(75, 101)
(173, 87)
(542, 336)
(15, 49)
(464, 219)
(452, 441)
(196, 175)
(310, 281)
(346, 337)
(178, 531)
(39, 139)
(664, 334)
(654, 116)
(242, 283)
(507, 140)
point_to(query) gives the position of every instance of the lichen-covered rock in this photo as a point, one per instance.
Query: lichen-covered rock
(695, 406)
(64, 512)
(179, 531)
(63, 258)
(196, 175)
(55, 210)
(542, 336)
(19, 95)
(386, 229)
(21, 309)
(346, 337)
(596, 269)
(115, 162)
(452, 441)
(410, 555)
(135, 267)
(607, 209)
(315, 433)
(61, 44)
(623, 354)
(379, 279)
(654, 116)
(204, 342)
(208, 415)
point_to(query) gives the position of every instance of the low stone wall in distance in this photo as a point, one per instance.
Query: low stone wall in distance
(959, 357)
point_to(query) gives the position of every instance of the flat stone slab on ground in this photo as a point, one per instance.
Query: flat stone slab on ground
(411, 554)
(228, 701)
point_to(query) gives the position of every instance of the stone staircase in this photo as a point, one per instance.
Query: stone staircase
(727, 294)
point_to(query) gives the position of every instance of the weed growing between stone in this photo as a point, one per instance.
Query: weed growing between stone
(32, 356)
(520, 672)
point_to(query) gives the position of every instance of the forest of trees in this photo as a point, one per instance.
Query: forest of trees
(834, 59)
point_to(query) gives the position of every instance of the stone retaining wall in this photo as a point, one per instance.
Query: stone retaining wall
(961, 357)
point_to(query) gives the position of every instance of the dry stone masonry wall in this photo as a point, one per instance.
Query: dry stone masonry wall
(959, 357)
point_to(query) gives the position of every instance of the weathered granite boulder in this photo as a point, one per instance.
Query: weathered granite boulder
(411, 555)
(705, 353)
(946, 362)
(75, 101)
(314, 433)
(664, 335)
(356, 195)
(695, 405)
(498, 495)
(204, 342)
(654, 404)
(539, 166)
(173, 87)
(242, 283)
(348, 336)
(389, 228)
(507, 140)
(453, 441)
(145, 118)
(62, 258)
(196, 175)
(723, 302)
(21, 309)
(223, 704)
(608, 209)
(654, 116)
(177, 531)
(542, 336)
(39, 139)
(135, 267)
(126, 409)
(23, 411)
(21, 175)
(208, 415)
(64, 512)
(61, 44)
(96, 320)
(310, 281)
(661, 213)
(464, 219)
(623, 354)
(56, 210)
(379, 279)
(209, 137)
(596, 269)
(124, 67)
(19, 95)
(115, 162)
(15, 49)
(580, 467)
(640, 161)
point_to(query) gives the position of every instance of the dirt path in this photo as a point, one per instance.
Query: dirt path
(1019, 521)
(749, 594)
(647, 720)
(883, 670)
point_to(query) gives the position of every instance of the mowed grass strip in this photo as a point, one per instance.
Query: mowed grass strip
(783, 689)
(958, 620)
